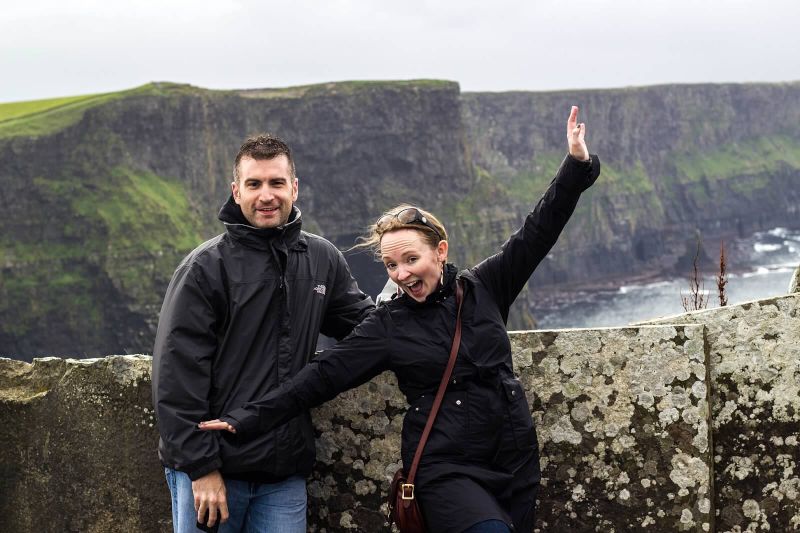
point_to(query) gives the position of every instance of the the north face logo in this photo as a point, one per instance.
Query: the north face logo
(320, 289)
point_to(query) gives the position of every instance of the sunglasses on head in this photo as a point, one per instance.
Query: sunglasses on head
(409, 215)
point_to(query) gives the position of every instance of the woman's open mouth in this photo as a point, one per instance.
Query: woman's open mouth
(415, 289)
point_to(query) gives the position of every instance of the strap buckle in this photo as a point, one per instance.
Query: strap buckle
(407, 491)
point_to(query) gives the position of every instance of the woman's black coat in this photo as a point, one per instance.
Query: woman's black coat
(481, 459)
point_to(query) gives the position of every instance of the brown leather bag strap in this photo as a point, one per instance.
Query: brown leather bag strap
(437, 402)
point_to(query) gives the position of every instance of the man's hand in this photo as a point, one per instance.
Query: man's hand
(209, 498)
(575, 136)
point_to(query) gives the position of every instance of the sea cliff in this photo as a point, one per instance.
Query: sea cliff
(103, 194)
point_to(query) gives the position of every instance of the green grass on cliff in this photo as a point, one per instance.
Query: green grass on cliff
(619, 185)
(33, 299)
(141, 210)
(755, 156)
(488, 192)
(344, 87)
(15, 110)
(134, 210)
(528, 186)
(43, 117)
(625, 179)
(119, 223)
(129, 210)
(477, 221)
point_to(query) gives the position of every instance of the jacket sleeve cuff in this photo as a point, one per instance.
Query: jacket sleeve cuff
(198, 470)
(242, 420)
(579, 175)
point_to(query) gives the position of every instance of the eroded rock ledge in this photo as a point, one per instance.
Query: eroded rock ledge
(690, 424)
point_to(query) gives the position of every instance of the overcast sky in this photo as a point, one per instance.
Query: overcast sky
(52, 48)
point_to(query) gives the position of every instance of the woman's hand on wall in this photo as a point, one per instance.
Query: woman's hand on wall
(216, 425)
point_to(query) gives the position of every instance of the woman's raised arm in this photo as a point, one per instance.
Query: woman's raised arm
(506, 272)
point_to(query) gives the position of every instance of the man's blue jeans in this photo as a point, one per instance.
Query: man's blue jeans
(254, 507)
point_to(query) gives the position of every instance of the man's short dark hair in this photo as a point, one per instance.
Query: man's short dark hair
(261, 147)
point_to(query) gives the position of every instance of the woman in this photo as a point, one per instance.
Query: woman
(480, 467)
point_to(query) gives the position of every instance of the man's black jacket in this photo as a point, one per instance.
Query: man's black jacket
(241, 316)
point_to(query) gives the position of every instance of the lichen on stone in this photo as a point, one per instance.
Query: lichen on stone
(754, 394)
(620, 394)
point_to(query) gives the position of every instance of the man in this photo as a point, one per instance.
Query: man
(241, 315)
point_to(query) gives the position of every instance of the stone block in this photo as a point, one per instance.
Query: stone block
(622, 422)
(79, 447)
(754, 368)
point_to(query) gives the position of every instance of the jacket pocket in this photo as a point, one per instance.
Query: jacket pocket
(449, 432)
(519, 414)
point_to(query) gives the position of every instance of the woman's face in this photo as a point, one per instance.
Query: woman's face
(413, 264)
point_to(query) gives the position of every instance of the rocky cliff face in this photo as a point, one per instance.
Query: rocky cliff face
(103, 195)
(101, 207)
(675, 159)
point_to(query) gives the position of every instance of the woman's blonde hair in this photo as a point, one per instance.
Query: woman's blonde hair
(432, 230)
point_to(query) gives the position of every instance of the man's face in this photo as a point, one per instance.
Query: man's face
(266, 191)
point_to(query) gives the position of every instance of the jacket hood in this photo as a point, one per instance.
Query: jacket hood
(239, 228)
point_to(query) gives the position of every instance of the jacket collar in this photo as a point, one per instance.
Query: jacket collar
(241, 231)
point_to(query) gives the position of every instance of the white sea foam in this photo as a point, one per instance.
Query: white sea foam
(761, 271)
(761, 248)
(782, 267)
(625, 289)
(778, 232)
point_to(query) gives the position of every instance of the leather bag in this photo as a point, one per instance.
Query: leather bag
(403, 504)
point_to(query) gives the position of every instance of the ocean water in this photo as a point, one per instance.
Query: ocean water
(762, 267)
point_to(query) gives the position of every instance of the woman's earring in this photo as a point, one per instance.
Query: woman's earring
(441, 277)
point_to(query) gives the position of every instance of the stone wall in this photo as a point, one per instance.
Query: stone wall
(687, 425)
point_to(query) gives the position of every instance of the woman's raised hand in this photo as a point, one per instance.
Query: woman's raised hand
(576, 134)
(216, 425)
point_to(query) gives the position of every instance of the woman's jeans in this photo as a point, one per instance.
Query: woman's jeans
(254, 507)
